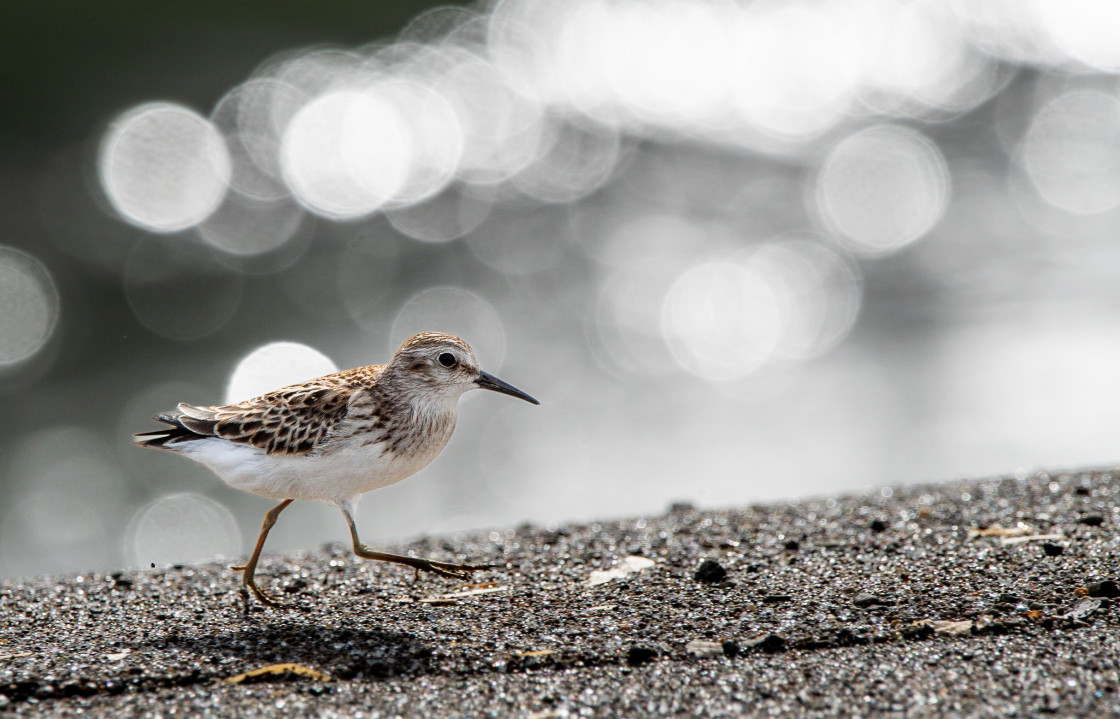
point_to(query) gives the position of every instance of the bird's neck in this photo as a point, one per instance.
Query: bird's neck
(417, 394)
(414, 417)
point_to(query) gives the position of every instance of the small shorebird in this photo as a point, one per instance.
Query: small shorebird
(336, 437)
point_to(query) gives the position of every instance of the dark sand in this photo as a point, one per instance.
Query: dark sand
(868, 605)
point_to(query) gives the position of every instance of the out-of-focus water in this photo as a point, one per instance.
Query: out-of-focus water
(740, 252)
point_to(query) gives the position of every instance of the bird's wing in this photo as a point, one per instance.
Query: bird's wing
(293, 420)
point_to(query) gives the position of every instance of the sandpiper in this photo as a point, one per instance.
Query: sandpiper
(336, 437)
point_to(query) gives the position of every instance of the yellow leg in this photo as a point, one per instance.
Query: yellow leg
(443, 569)
(247, 581)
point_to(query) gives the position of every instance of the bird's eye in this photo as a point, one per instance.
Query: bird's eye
(447, 359)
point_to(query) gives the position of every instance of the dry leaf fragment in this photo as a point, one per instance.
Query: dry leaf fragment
(15, 655)
(277, 672)
(704, 649)
(537, 653)
(1031, 538)
(997, 531)
(629, 565)
(441, 599)
(949, 628)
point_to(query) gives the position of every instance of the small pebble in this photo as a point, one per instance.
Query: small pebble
(637, 655)
(769, 643)
(878, 525)
(1052, 550)
(1093, 520)
(864, 599)
(710, 572)
(1107, 588)
(1083, 609)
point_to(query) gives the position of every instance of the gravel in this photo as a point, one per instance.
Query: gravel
(710, 572)
(918, 600)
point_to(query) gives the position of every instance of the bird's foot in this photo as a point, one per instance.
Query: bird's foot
(443, 569)
(249, 584)
(451, 571)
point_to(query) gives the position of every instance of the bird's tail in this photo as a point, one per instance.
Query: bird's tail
(160, 439)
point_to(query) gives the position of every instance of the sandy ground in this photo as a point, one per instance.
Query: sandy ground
(977, 598)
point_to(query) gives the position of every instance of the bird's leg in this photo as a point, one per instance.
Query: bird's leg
(250, 568)
(443, 569)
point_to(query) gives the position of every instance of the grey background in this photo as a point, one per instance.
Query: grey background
(987, 343)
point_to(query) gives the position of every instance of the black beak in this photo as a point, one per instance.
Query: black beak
(488, 381)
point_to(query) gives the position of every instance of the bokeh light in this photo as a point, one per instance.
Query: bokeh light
(781, 86)
(181, 528)
(247, 226)
(626, 323)
(1084, 30)
(503, 130)
(251, 117)
(882, 188)
(29, 306)
(1072, 152)
(920, 62)
(164, 167)
(449, 215)
(722, 320)
(275, 365)
(432, 26)
(346, 153)
(818, 291)
(578, 160)
(437, 140)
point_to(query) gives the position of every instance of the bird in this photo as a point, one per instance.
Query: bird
(334, 438)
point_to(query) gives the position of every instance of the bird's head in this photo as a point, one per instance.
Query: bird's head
(444, 366)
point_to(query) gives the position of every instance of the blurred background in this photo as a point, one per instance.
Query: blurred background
(741, 251)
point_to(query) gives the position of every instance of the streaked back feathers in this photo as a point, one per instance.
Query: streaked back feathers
(297, 419)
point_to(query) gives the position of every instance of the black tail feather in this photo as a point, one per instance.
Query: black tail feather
(162, 437)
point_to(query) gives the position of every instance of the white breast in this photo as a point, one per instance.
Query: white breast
(343, 474)
(340, 471)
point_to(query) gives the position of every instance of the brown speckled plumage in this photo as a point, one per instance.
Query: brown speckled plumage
(301, 419)
(336, 437)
